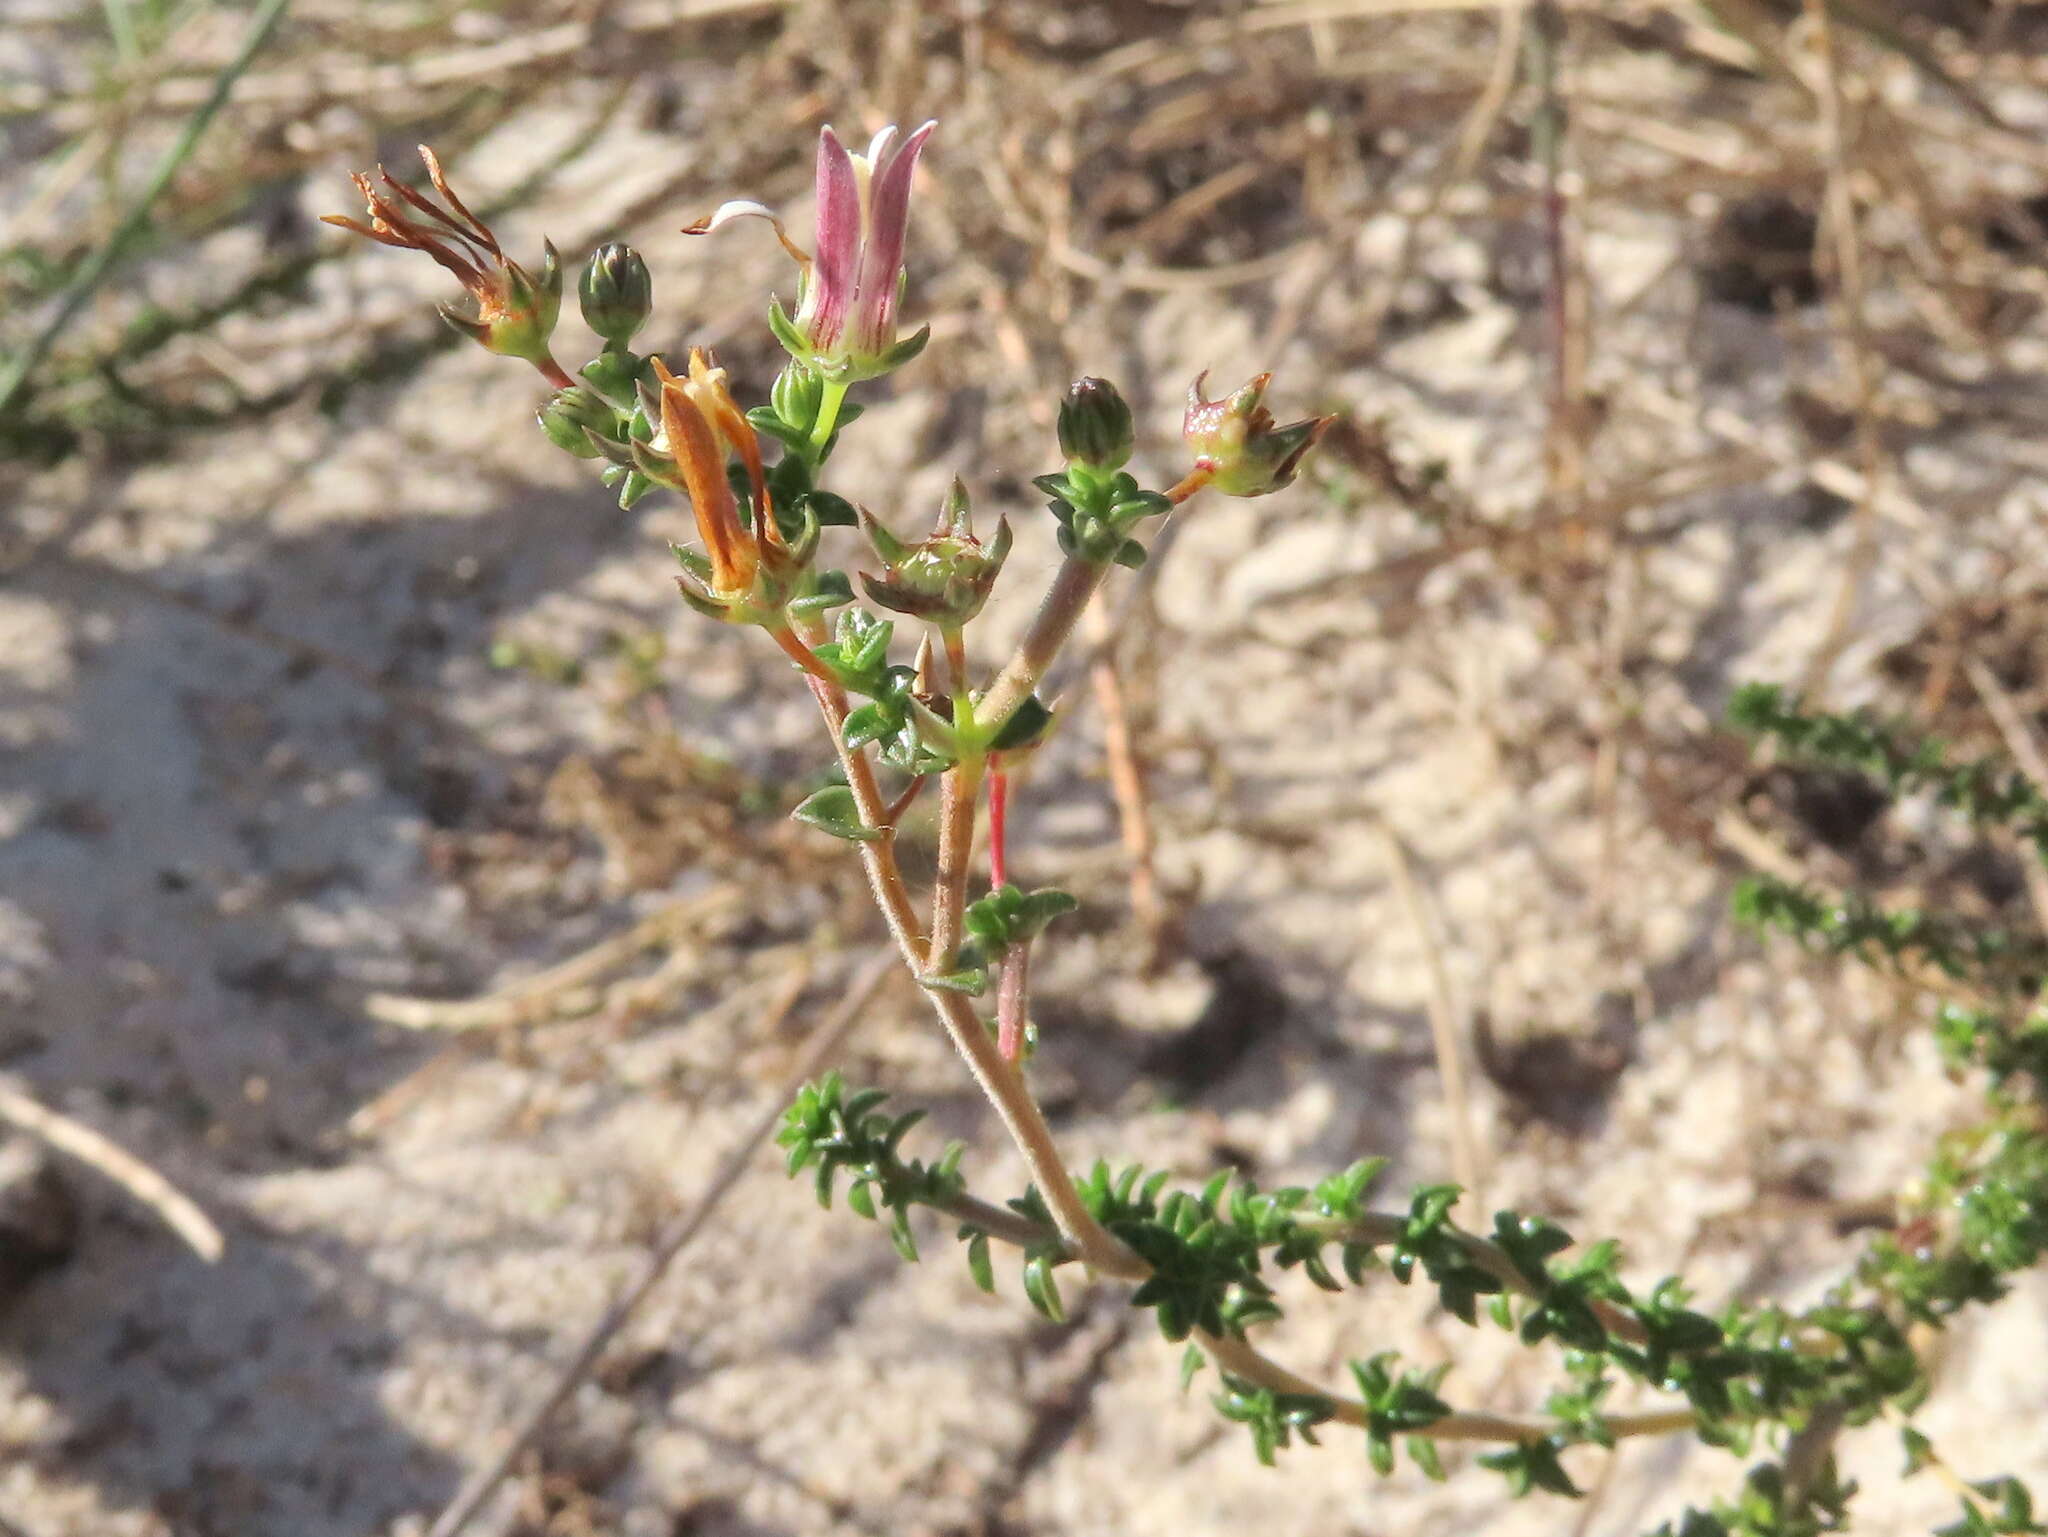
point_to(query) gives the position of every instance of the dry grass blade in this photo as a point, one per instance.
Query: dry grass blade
(2024, 744)
(539, 995)
(1126, 777)
(1444, 1031)
(178, 1211)
(14, 378)
(1852, 324)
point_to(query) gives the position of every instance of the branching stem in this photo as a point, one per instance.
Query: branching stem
(1057, 615)
(1240, 1358)
(1001, 1081)
(800, 654)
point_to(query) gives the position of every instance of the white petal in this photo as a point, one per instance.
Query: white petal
(738, 209)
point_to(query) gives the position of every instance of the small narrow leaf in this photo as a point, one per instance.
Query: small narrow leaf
(978, 1263)
(832, 810)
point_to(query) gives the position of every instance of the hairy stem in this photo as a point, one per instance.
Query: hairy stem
(1241, 1359)
(1013, 1000)
(999, 1080)
(1057, 615)
(800, 654)
(959, 793)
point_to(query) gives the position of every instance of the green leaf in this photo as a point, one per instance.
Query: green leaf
(1380, 1452)
(632, 487)
(832, 590)
(1027, 723)
(1041, 1290)
(831, 509)
(766, 419)
(1532, 1465)
(971, 980)
(793, 341)
(832, 810)
(978, 1263)
(1919, 1450)
(899, 1235)
(869, 723)
(1423, 1453)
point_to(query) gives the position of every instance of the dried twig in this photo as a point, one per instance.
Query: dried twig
(2025, 747)
(540, 995)
(1852, 325)
(1126, 776)
(178, 1211)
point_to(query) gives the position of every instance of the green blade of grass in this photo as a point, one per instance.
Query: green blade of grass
(89, 276)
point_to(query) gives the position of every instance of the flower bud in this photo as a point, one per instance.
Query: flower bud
(1235, 442)
(573, 416)
(796, 396)
(616, 293)
(1095, 425)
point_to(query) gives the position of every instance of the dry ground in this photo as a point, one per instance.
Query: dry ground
(323, 680)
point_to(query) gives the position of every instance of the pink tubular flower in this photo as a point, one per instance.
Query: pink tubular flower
(845, 323)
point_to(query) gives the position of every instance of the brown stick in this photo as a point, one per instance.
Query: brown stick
(178, 1211)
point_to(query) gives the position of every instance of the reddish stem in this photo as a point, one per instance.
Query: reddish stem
(1012, 992)
(1189, 484)
(551, 371)
(998, 825)
(801, 654)
(903, 802)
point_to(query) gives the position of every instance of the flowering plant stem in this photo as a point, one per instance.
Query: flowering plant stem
(1000, 1080)
(1240, 1358)
(829, 402)
(1061, 609)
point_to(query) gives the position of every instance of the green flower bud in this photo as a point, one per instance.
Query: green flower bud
(616, 293)
(1095, 425)
(796, 396)
(573, 416)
